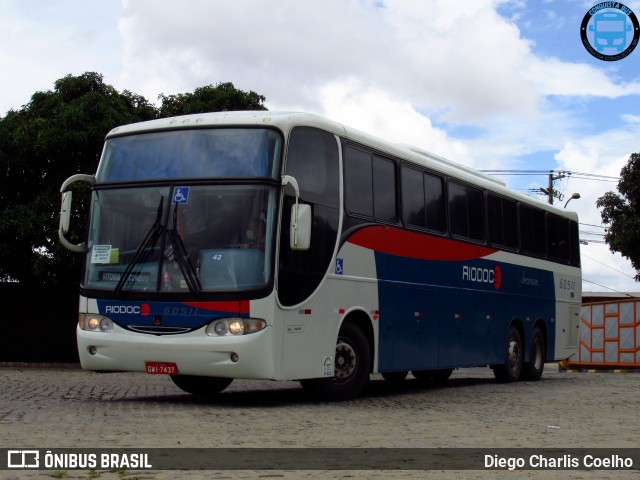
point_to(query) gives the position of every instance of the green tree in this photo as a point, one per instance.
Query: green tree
(57, 134)
(60, 133)
(223, 97)
(621, 211)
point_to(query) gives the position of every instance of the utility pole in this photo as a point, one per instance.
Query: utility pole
(549, 191)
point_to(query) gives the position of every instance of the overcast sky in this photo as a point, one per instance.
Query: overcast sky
(493, 85)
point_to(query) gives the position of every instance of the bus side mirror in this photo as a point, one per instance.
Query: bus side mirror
(300, 227)
(65, 210)
(300, 238)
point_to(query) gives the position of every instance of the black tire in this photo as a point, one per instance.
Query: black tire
(510, 370)
(352, 366)
(532, 370)
(437, 376)
(204, 386)
(394, 377)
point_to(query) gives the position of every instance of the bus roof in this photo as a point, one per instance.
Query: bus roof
(285, 121)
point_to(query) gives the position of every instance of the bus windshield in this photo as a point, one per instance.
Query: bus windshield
(201, 153)
(183, 239)
(189, 227)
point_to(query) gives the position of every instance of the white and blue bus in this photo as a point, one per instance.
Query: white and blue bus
(285, 246)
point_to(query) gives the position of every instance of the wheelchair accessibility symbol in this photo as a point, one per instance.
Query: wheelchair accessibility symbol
(181, 195)
(339, 266)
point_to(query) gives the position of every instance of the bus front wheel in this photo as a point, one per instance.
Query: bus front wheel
(510, 370)
(205, 386)
(352, 366)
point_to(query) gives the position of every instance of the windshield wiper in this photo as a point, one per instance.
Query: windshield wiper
(182, 256)
(143, 250)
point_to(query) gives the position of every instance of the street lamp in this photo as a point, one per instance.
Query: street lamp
(575, 196)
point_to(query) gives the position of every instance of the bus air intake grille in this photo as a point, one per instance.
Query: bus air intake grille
(160, 330)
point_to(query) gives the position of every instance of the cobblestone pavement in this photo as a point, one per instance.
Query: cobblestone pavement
(67, 407)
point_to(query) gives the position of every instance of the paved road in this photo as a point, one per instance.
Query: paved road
(67, 407)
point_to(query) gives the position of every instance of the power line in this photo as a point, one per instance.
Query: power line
(608, 288)
(551, 192)
(591, 225)
(594, 175)
(577, 175)
(608, 266)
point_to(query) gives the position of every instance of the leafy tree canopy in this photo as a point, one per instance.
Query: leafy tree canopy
(221, 98)
(621, 211)
(60, 133)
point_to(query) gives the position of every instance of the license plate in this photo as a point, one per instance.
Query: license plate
(161, 368)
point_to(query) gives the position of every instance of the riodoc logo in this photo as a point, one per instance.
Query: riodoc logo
(610, 31)
(143, 309)
(491, 276)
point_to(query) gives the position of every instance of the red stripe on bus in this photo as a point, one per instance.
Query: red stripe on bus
(240, 307)
(403, 243)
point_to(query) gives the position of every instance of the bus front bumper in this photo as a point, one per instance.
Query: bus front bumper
(193, 353)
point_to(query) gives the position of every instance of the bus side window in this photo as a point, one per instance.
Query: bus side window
(423, 200)
(532, 231)
(559, 247)
(370, 185)
(312, 159)
(502, 215)
(358, 180)
(413, 205)
(466, 211)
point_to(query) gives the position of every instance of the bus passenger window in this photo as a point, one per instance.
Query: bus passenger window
(466, 212)
(434, 203)
(370, 185)
(413, 198)
(358, 182)
(384, 189)
(558, 238)
(502, 215)
(532, 231)
(423, 200)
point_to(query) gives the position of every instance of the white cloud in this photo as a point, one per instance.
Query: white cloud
(42, 42)
(440, 56)
(554, 77)
(378, 113)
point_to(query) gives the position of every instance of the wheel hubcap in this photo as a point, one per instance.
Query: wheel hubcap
(345, 360)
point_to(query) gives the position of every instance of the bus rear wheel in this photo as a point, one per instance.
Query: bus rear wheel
(510, 370)
(204, 386)
(352, 366)
(532, 370)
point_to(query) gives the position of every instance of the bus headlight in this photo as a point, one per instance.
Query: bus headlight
(95, 323)
(235, 326)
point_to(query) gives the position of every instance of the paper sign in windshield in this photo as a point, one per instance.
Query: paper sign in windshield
(104, 254)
